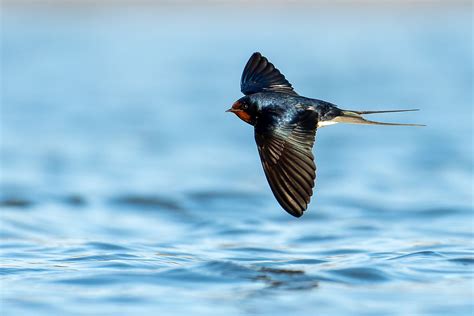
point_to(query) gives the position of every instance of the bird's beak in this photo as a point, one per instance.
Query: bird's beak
(234, 110)
(235, 107)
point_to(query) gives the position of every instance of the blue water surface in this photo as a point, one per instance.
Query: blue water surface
(126, 189)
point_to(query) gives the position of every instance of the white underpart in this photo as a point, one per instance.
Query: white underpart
(326, 123)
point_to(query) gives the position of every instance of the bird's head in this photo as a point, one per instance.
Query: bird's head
(245, 110)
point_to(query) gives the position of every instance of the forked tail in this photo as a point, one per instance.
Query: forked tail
(355, 117)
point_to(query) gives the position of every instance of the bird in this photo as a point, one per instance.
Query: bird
(285, 125)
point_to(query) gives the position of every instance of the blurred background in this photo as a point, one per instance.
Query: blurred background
(125, 188)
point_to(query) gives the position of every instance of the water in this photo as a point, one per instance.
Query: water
(126, 189)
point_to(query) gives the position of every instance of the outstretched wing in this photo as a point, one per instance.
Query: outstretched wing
(260, 75)
(286, 153)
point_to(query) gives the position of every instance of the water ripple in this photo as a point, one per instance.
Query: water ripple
(361, 275)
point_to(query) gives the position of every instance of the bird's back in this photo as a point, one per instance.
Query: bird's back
(285, 107)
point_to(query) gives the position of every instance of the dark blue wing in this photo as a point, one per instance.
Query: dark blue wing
(260, 75)
(286, 153)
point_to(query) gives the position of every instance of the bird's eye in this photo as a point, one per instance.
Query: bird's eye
(245, 106)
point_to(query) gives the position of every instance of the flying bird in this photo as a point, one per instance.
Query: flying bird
(285, 125)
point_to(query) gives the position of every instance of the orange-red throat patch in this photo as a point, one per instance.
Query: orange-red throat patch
(237, 110)
(244, 116)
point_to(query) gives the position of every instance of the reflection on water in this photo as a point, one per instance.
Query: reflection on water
(126, 189)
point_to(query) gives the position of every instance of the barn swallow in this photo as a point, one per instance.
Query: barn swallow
(285, 125)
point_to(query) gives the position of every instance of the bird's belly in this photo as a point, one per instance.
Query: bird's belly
(326, 123)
